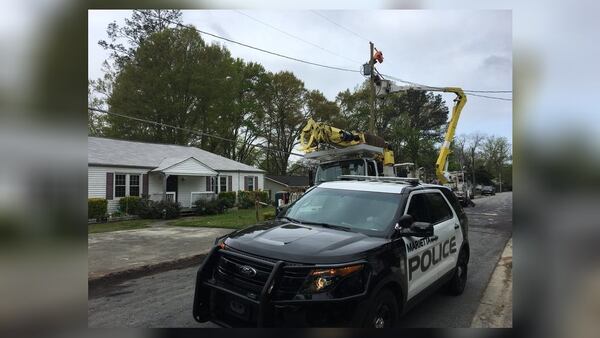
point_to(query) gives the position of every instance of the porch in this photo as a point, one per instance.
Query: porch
(184, 181)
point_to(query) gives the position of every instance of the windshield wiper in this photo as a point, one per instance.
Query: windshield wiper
(292, 219)
(332, 226)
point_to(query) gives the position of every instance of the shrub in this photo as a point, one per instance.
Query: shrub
(97, 208)
(210, 207)
(228, 198)
(130, 205)
(155, 210)
(117, 214)
(246, 198)
(269, 215)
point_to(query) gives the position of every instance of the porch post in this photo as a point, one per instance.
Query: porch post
(165, 176)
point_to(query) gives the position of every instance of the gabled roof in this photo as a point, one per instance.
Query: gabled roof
(290, 181)
(184, 166)
(105, 151)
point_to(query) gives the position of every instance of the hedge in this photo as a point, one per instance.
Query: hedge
(228, 198)
(246, 198)
(210, 207)
(155, 210)
(131, 205)
(97, 208)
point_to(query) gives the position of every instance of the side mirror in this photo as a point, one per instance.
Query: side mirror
(280, 211)
(406, 226)
(422, 229)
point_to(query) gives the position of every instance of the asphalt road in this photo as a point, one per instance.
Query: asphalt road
(165, 299)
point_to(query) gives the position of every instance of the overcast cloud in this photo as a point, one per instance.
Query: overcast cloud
(468, 49)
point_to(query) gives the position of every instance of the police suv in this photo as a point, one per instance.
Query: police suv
(356, 252)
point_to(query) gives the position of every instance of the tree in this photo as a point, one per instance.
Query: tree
(473, 146)
(136, 30)
(285, 116)
(496, 151)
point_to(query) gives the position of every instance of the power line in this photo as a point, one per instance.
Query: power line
(318, 64)
(200, 133)
(263, 50)
(342, 27)
(470, 92)
(296, 37)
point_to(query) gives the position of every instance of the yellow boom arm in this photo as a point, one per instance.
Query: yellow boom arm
(440, 164)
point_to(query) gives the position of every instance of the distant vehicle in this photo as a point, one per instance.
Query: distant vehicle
(347, 253)
(488, 190)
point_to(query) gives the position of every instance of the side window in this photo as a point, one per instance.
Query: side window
(371, 168)
(453, 201)
(440, 210)
(418, 208)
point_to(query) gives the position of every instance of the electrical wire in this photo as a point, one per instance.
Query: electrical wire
(327, 66)
(470, 92)
(296, 37)
(261, 49)
(342, 27)
(200, 133)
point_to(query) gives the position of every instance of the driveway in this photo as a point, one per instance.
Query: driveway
(118, 251)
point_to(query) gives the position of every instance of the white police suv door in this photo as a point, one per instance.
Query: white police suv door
(425, 256)
(445, 252)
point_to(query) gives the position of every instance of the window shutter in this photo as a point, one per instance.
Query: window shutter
(144, 185)
(255, 183)
(208, 183)
(109, 186)
(245, 183)
(229, 183)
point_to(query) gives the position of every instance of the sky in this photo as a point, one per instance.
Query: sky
(471, 49)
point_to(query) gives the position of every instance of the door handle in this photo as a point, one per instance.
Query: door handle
(455, 226)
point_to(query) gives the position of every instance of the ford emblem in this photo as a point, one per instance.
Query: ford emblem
(248, 270)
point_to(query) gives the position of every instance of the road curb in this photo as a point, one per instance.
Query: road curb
(495, 306)
(145, 270)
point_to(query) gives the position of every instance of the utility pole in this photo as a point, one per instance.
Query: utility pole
(372, 89)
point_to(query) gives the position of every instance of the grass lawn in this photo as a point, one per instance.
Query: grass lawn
(122, 225)
(234, 219)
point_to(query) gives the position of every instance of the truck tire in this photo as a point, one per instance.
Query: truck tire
(383, 312)
(456, 286)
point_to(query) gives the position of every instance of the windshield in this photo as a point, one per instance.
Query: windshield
(361, 211)
(332, 171)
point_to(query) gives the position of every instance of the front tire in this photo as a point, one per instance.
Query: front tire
(457, 284)
(383, 312)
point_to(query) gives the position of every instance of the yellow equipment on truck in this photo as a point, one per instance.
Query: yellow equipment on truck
(384, 87)
(341, 152)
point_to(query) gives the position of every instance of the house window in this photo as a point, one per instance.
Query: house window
(249, 183)
(222, 183)
(120, 185)
(127, 185)
(134, 185)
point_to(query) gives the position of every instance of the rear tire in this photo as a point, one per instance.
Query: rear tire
(383, 312)
(456, 286)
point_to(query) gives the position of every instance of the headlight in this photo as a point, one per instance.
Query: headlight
(321, 280)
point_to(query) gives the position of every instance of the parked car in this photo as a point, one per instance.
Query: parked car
(488, 190)
(347, 253)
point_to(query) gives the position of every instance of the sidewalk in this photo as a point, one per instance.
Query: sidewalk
(119, 252)
(495, 307)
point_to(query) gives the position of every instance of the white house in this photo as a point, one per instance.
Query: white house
(118, 168)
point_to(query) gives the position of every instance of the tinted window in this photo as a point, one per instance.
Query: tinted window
(453, 201)
(418, 208)
(439, 208)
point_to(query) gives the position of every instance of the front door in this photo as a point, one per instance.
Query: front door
(429, 257)
(172, 185)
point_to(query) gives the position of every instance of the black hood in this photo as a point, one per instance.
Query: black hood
(303, 243)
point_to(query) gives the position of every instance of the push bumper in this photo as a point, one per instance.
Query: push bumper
(228, 308)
